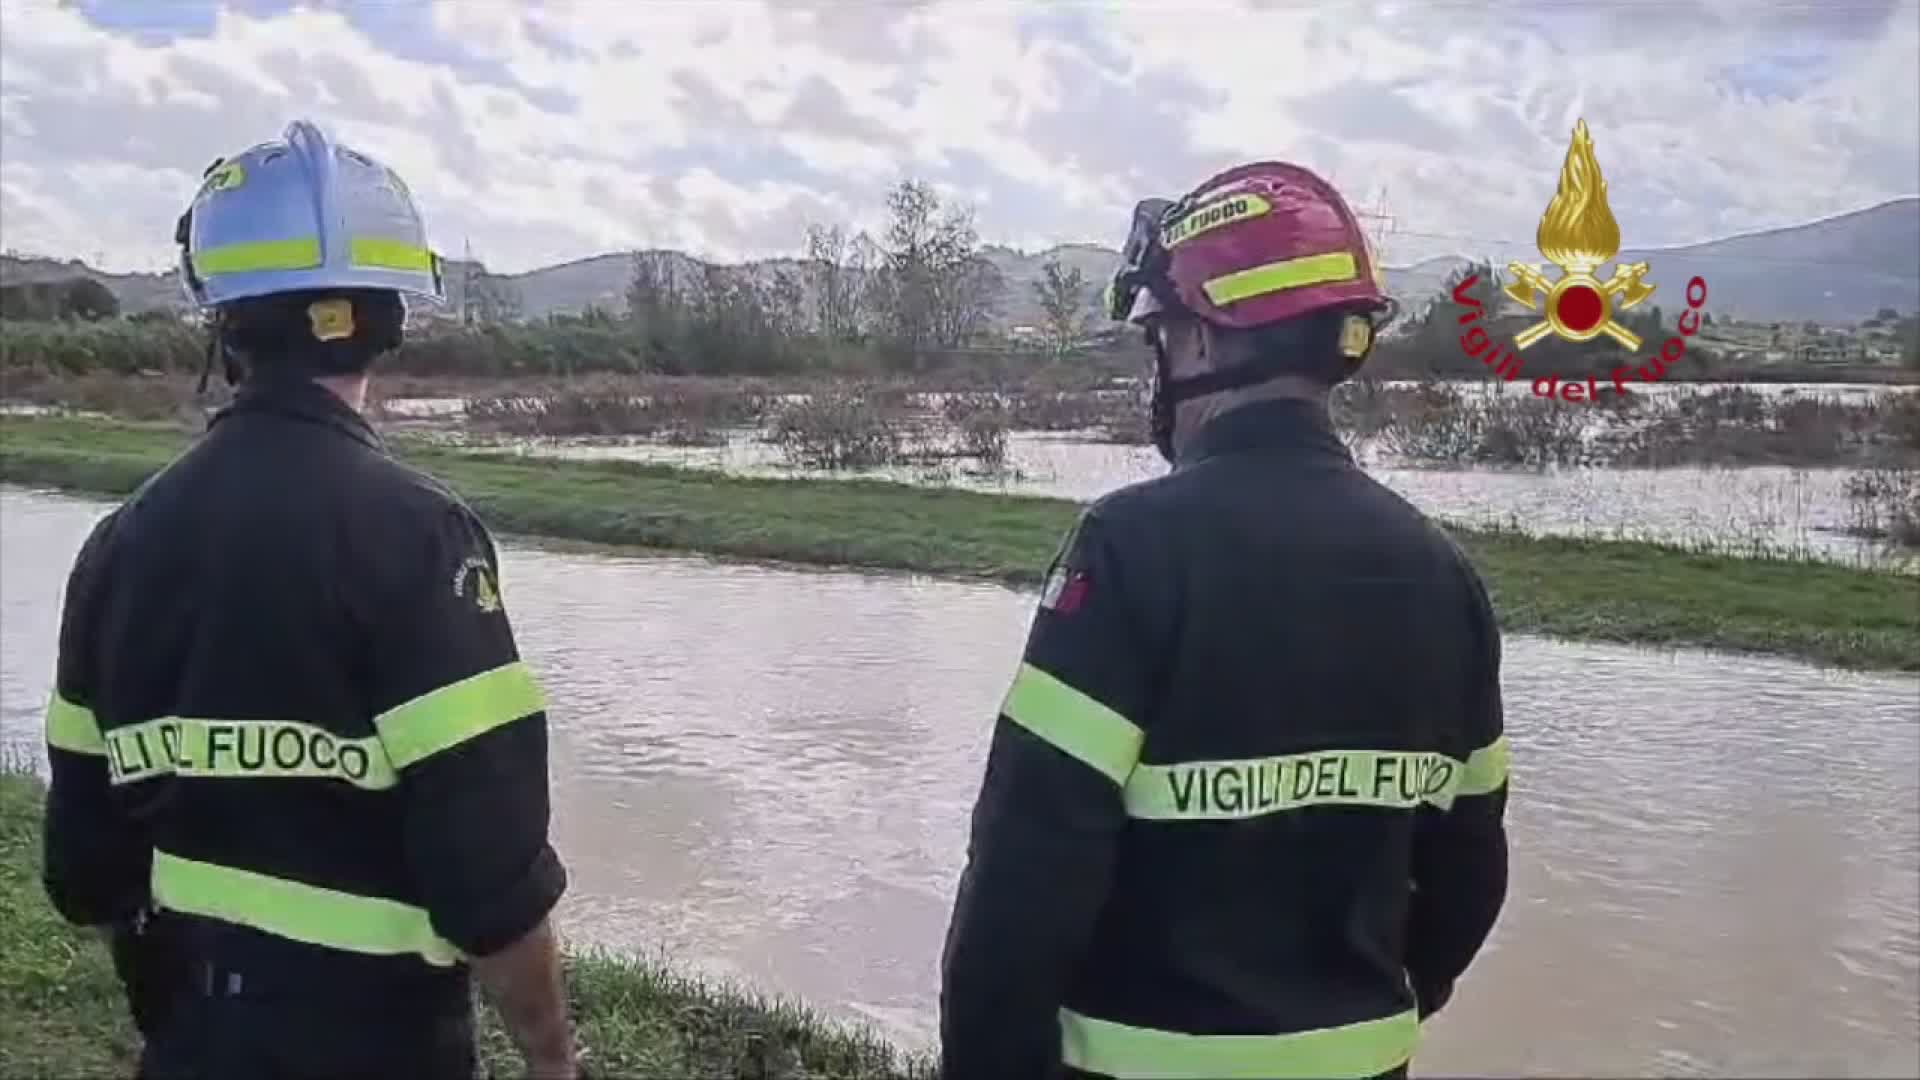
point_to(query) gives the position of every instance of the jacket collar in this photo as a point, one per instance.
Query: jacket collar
(297, 398)
(1283, 424)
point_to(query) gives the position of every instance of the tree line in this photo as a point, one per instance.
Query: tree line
(920, 296)
(76, 297)
(920, 290)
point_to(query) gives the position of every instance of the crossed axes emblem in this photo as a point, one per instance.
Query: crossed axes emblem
(1529, 283)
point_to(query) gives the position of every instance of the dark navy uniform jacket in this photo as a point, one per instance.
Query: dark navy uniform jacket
(1242, 811)
(289, 710)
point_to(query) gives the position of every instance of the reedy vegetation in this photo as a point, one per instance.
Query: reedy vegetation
(827, 423)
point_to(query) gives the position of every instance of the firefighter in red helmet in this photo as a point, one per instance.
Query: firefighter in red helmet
(1242, 810)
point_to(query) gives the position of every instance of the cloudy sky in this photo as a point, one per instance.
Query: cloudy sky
(541, 133)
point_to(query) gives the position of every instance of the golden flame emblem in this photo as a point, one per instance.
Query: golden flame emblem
(1577, 234)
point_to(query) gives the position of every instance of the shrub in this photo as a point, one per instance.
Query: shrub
(129, 397)
(1430, 423)
(1059, 411)
(983, 435)
(838, 429)
(111, 346)
(1527, 431)
(1899, 415)
(1885, 503)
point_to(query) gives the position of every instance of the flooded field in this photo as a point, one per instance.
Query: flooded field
(1770, 507)
(1767, 478)
(765, 774)
(1853, 393)
(1797, 506)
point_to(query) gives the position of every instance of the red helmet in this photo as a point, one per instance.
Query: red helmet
(1254, 245)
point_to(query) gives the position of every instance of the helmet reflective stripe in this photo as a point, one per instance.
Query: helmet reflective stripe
(1278, 276)
(388, 254)
(1227, 211)
(305, 213)
(258, 255)
(372, 252)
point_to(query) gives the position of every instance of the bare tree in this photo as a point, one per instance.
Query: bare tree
(493, 299)
(653, 295)
(785, 303)
(966, 296)
(836, 294)
(866, 263)
(966, 286)
(911, 259)
(1062, 293)
(935, 287)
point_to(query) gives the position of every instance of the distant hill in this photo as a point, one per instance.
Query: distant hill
(1835, 271)
(136, 292)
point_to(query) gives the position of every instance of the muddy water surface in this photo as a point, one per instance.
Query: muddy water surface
(765, 774)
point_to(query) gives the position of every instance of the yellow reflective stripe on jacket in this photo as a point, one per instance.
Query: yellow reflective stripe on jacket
(1486, 769)
(445, 718)
(386, 254)
(1364, 1049)
(301, 254)
(1074, 722)
(299, 912)
(1224, 790)
(244, 749)
(72, 727)
(1251, 787)
(1279, 276)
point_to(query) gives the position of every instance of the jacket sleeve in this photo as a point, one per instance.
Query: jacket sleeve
(465, 724)
(1460, 853)
(95, 862)
(1048, 819)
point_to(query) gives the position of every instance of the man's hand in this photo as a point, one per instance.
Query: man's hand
(151, 965)
(525, 984)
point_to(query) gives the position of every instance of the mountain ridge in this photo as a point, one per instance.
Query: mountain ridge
(1833, 270)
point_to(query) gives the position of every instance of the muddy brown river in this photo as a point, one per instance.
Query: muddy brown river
(764, 774)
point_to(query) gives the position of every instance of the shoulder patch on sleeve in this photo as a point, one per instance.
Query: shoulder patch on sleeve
(474, 580)
(1068, 578)
(1065, 591)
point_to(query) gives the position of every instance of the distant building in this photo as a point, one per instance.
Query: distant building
(1830, 351)
(1803, 343)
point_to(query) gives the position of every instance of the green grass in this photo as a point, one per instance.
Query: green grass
(60, 1005)
(63, 1014)
(1599, 589)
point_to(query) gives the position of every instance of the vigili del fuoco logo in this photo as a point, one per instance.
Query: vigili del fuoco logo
(1577, 235)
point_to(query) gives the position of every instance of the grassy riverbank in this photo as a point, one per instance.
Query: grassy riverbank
(1605, 590)
(64, 1015)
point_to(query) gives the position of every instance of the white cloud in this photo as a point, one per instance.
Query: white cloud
(720, 126)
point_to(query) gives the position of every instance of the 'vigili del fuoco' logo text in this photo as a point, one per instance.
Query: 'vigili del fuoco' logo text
(1577, 234)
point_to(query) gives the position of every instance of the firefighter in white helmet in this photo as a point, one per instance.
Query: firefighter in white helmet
(299, 768)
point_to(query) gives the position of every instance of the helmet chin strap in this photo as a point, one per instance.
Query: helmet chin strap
(230, 366)
(216, 347)
(1356, 343)
(1160, 408)
(1169, 392)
